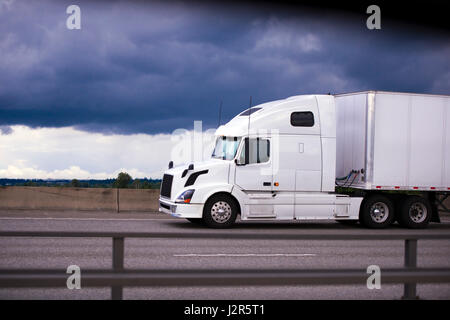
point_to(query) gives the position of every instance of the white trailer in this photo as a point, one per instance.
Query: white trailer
(376, 157)
(400, 141)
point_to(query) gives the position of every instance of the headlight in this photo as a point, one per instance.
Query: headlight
(185, 197)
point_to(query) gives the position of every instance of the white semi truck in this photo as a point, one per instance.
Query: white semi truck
(374, 157)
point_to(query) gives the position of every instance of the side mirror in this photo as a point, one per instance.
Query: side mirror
(170, 164)
(238, 163)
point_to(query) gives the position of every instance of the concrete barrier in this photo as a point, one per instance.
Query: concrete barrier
(138, 200)
(105, 199)
(59, 198)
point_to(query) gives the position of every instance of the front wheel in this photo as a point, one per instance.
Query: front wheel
(415, 213)
(377, 212)
(220, 211)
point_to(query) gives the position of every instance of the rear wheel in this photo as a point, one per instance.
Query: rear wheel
(415, 213)
(377, 211)
(220, 211)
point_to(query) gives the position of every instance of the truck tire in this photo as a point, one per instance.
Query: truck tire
(220, 211)
(415, 213)
(377, 211)
(195, 220)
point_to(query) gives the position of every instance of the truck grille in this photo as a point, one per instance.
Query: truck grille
(166, 185)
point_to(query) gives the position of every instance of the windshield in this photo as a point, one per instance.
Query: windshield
(226, 148)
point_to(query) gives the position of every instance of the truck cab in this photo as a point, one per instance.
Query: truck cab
(274, 161)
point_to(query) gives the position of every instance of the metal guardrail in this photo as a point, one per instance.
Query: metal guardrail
(119, 277)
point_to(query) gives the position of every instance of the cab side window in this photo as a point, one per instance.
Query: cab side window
(302, 119)
(259, 151)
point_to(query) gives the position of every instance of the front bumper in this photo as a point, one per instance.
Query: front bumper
(180, 210)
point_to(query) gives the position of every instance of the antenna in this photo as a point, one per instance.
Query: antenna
(220, 112)
(249, 114)
(247, 140)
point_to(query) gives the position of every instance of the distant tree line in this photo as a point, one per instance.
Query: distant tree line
(123, 180)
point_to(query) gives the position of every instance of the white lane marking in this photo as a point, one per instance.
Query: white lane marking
(246, 255)
(96, 219)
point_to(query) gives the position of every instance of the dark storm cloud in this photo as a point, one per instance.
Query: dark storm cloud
(154, 67)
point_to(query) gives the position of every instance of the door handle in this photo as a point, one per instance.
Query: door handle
(267, 184)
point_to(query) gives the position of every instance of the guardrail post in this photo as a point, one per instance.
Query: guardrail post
(118, 265)
(409, 290)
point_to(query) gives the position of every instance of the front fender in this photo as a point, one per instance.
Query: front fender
(204, 191)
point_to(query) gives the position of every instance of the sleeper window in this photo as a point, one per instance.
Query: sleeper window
(302, 119)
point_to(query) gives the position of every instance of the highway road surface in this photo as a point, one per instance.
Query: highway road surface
(210, 254)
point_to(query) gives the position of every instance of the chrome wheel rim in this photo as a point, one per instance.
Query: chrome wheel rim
(221, 212)
(379, 212)
(418, 212)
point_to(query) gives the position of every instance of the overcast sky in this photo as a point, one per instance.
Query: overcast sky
(87, 103)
